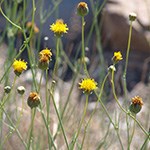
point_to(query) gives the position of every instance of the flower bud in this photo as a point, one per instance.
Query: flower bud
(136, 104)
(7, 89)
(21, 90)
(44, 59)
(82, 9)
(111, 68)
(132, 16)
(33, 100)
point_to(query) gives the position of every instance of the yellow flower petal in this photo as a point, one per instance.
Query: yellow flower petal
(59, 27)
(19, 66)
(88, 85)
(117, 56)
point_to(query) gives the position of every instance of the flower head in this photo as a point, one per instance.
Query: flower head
(45, 56)
(88, 85)
(137, 100)
(59, 27)
(19, 66)
(117, 57)
(46, 52)
(82, 9)
(136, 104)
(33, 100)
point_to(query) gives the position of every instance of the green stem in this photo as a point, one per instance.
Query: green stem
(145, 142)
(60, 121)
(47, 99)
(81, 122)
(124, 77)
(83, 49)
(126, 112)
(40, 81)
(55, 71)
(118, 135)
(15, 25)
(132, 134)
(128, 128)
(127, 59)
(16, 129)
(67, 101)
(50, 138)
(33, 111)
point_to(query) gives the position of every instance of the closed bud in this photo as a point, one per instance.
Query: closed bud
(132, 16)
(82, 9)
(7, 89)
(21, 90)
(111, 68)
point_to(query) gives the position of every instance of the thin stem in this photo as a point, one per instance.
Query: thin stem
(83, 49)
(67, 101)
(132, 134)
(127, 59)
(124, 77)
(50, 138)
(40, 81)
(118, 135)
(57, 58)
(105, 109)
(81, 122)
(128, 128)
(33, 111)
(16, 129)
(47, 99)
(15, 25)
(70, 92)
(85, 131)
(145, 142)
(60, 121)
(126, 112)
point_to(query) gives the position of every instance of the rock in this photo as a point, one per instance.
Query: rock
(115, 30)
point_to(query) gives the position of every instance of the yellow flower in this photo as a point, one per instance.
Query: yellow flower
(82, 9)
(59, 27)
(117, 57)
(46, 52)
(19, 66)
(136, 104)
(88, 85)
